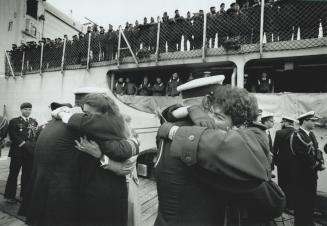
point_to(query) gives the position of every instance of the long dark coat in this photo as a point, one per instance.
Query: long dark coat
(69, 187)
(192, 192)
(103, 194)
(284, 158)
(54, 187)
(304, 179)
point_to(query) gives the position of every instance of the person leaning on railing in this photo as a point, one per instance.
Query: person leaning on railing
(171, 89)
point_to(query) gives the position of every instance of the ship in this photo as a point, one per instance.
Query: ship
(280, 40)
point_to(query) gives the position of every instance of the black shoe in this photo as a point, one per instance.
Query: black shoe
(11, 201)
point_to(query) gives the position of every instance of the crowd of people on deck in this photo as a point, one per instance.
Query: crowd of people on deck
(79, 168)
(146, 88)
(240, 24)
(163, 87)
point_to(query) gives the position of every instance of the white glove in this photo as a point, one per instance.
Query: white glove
(55, 113)
(181, 112)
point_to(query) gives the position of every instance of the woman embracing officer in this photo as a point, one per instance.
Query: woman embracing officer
(214, 164)
(81, 160)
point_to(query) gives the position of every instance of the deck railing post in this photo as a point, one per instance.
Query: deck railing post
(41, 58)
(63, 56)
(233, 78)
(129, 47)
(204, 36)
(11, 69)
(88, 52)
(158, 40)
(23, 59)
(261, 26)
(119, 44)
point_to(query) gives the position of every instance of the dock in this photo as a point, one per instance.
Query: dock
(8, 212)
(147, 195)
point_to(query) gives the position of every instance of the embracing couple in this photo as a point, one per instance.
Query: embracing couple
(81, 160)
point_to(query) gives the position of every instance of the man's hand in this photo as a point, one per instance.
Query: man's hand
(89, 147)
(121, 168)
(200, 118)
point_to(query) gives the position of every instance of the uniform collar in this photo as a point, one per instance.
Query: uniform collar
(24, 118)
(306, 131)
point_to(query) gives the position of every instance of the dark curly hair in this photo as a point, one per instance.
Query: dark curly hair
(237, 103)
(105, 105)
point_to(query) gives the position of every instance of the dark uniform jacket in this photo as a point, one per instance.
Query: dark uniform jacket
(52, 196)
(304, 177)
(171, 89)
(158, 89)
(120, 88)
(103, 194)
(305, 147)
(131, 88)
(145, 89)
(58, 188)
(198, 184)
(283, 158)
(21, 131)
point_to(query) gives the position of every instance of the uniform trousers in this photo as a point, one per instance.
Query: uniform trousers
(17, 163)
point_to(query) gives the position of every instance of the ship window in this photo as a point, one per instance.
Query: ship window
(32, 8)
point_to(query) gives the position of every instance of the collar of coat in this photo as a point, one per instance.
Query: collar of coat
(24, 118)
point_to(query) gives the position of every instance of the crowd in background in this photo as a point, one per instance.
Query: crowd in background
(162, 86)
(240, 24)
(146, 88)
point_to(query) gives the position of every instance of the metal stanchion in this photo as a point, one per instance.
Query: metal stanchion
(204, 36)
(63, 56)
(41, 58)
(23, 59)
(11, 69)
(129, 47)
(119, 42)
(261, 25)
(158, 40)
(88, 52)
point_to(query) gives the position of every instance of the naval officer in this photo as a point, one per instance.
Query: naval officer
(23, 133)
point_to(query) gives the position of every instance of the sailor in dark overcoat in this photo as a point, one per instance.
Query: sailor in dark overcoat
(201, 184)
(283, 157)
(306, 164)
(61, 174)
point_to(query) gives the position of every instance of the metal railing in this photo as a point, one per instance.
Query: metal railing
(283, 25)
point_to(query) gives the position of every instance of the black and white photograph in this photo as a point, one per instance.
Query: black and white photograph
(163, 113)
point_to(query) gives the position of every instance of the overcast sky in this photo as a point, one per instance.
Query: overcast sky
(118, 12)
